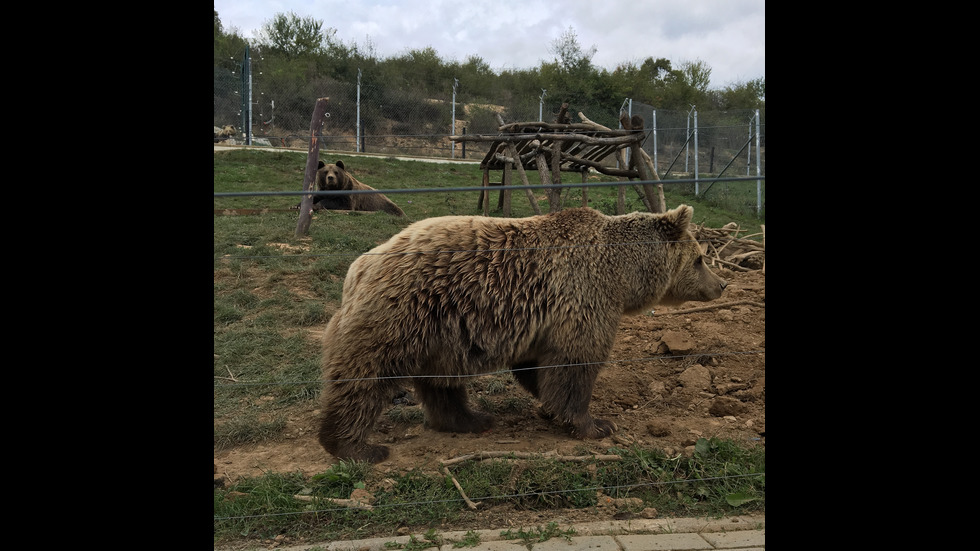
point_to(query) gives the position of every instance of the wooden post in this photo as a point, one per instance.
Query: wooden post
(505, 191)
(485, 194)
(309, 178)
(543, 173)
(644, 175)
(523, 174)
(621, 158)
(585, 190)
(644, 165)
(556, 174)
(621, 190)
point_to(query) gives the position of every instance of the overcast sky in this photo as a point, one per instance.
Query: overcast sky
(729, 36)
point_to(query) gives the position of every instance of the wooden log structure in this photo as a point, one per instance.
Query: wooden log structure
(553, 148)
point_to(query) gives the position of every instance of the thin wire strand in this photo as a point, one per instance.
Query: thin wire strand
(483, 188)
(460, 251)
(488, 373)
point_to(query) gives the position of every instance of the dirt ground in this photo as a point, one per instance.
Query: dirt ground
(674, 376)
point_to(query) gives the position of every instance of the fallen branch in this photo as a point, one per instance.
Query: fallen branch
(469, 503)
(621, 158)
(713, 306)
(353, 504)
(231, 376)
(479, 456)
(745, 255)
(732, 265)
(763, 245)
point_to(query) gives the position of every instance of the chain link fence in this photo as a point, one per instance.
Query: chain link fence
(259, 110)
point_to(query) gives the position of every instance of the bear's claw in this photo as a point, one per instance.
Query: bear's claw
(597, 428)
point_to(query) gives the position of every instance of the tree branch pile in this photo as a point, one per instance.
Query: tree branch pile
(724, 247)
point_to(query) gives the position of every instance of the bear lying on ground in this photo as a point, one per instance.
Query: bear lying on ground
(336, 178)
(456, 296)
(222, 134)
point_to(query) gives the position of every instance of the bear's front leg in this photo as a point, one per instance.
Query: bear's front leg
(566, 393)
(446, 408)
(349, 411)
(354, 451)
(592, 427)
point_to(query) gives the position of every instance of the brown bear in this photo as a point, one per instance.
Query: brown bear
(455, 296)
(336, 178)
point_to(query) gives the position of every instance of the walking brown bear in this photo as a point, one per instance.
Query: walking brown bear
(456, 296)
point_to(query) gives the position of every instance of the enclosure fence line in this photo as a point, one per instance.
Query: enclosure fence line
(271, 111)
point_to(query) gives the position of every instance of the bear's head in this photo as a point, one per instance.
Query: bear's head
(691, 277)
(332, 177)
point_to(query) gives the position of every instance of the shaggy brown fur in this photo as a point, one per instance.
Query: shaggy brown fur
(463, 295)
(336, 178)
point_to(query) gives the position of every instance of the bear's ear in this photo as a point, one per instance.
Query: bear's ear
(341, 165)
(320, 165)
(678, 219)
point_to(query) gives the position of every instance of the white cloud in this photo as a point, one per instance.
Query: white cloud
(727, 35)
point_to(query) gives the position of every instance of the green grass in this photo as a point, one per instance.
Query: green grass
(539, 534)
(720, 478)
(273, 291)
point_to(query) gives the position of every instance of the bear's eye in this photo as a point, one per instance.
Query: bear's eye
(698, 261)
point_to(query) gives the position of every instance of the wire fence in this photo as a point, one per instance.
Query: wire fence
(256, 109)
(608, 489)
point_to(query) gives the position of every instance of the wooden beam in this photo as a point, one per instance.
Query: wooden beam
(555, 205)
(520, 171)
(617, 137)
(505, 191)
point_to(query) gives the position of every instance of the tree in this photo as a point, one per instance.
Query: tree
(747, 95)
(294, 37)
(228, 47)
(570, 57)
(698, 75)
(571, 69)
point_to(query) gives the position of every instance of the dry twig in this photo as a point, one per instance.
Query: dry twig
(231, 376)
(713, 306)
(479, 456)
(353, 504)
(469, 503)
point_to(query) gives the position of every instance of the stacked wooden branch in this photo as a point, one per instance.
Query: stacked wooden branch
(646, 170)
(724, 247)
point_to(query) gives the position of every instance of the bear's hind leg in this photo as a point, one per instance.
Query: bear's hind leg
(446, 408)
(527, 375)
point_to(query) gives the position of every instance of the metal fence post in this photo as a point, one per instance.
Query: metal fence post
(758, 166)
(748, 153)
(247, 96)
(655, 148)
(696, 182)
(452, 132)
(687, 147)
(358, 121)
